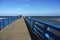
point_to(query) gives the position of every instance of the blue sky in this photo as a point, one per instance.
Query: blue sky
(30, 7)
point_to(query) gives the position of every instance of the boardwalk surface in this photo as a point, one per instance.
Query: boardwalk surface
(15, 31)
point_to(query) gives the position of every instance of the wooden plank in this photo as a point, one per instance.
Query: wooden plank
(15, 31)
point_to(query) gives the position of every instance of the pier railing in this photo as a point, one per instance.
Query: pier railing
(42, 30)
(7, 20)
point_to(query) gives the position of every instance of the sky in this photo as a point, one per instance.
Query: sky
(30, 7)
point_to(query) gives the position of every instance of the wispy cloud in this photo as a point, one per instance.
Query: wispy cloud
(27, 6)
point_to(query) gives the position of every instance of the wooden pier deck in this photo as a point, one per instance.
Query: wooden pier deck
(15, 31)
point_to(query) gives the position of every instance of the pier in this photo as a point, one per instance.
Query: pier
(28, 28)
(15, 31)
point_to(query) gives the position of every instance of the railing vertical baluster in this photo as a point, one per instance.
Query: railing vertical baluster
(3, 23)
(45, 32)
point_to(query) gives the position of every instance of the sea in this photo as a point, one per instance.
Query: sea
(49, 19)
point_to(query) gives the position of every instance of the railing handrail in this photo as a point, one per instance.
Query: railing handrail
(7, 20)
(56, 27)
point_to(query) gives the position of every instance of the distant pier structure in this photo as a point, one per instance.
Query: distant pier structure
(20, 16)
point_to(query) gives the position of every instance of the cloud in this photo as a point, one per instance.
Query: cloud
(27, 6)
(19, 9)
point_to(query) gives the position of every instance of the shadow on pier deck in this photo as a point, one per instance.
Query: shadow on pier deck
(15, 31)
